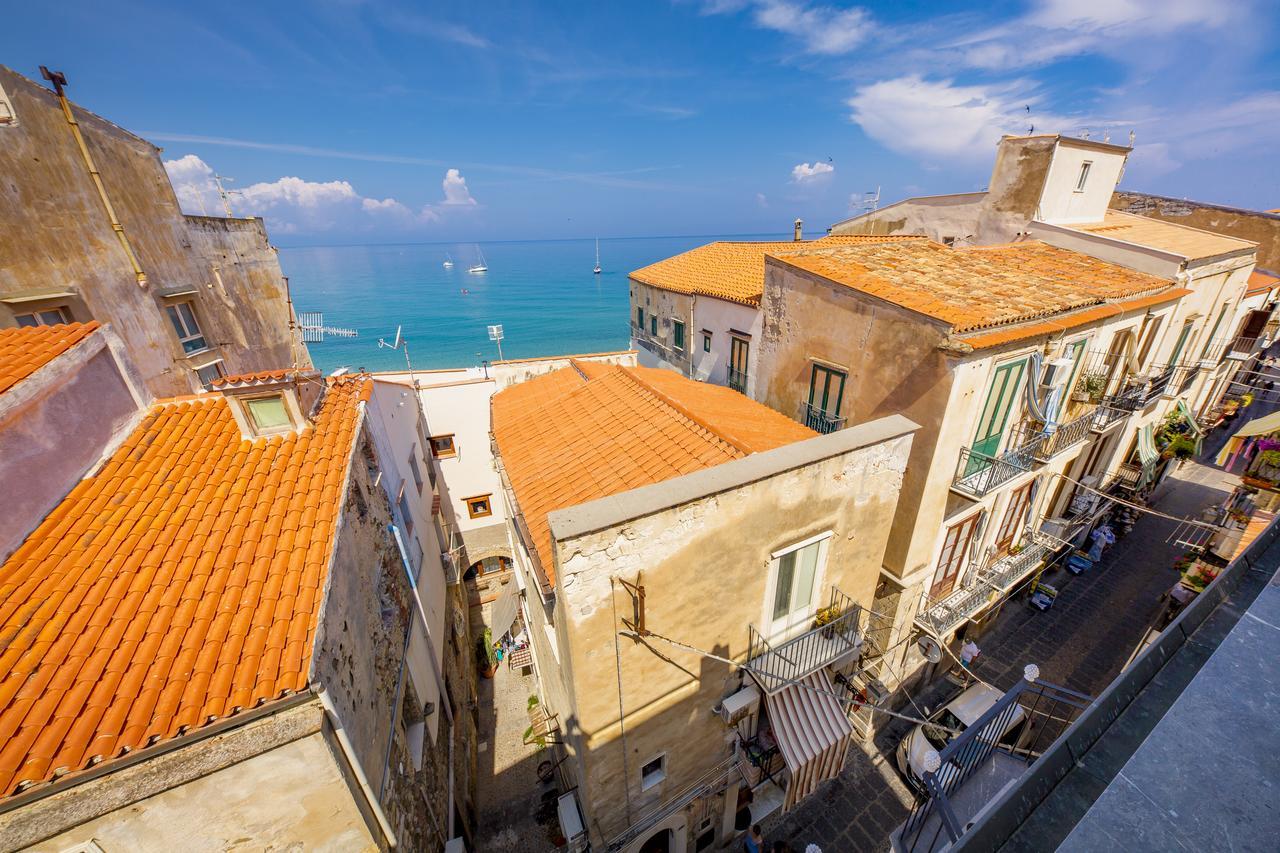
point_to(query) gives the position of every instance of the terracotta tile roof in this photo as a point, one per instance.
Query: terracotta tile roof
(1026, 331)
(593, 430)
(260, 377)
(976, 287)
(179, 584)
(733, 270)
(26, 349)
(1190, 243)
(1260, 282)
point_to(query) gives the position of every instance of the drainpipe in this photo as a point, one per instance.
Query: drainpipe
(59, 80)
(350, 752)
(435, 669)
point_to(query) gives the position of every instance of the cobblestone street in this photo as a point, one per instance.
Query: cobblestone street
(1081, 643)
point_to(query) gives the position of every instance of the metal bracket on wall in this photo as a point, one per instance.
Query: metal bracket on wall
(636, 591)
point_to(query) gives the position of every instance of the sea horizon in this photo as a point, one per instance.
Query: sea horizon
(542, 292)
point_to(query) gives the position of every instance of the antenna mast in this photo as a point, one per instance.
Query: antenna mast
(225, 193)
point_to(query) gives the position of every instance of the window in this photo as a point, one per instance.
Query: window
(1182, 342)
(1019, 504)
(653, 772)
(1150, 326)
(413, 467)
(269, 414)
(653, 324)
(995, 412)
(479, 506)
(826, 390)
(6, 109)
(954, 549)
(640, 319)
(1075, 352)
(210, 372)
(706, 342)
(1208, 344)
(677, 334)
(1084, 176)
(184, 323)
(47, 317)
(442, 446)
(406, 517)
(795, 578)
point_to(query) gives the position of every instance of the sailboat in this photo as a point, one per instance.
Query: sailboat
(597, 269)
(479, 265)
(448, 261)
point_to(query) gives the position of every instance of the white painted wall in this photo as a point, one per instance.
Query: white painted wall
(1060, 202)
(719, 316)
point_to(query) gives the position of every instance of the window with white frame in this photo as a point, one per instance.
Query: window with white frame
(794, 584)
(1084, 175)
(268, 414)
(653, 772)
(183, 317)
(209, 373)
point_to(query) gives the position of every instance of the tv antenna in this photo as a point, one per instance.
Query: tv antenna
(495, 335)
(225, 193)
(401, 344)
(869, 202)
(311, 324)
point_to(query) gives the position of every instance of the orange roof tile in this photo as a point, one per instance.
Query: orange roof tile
(259, 376)
(592, 430)
(26, 349)
(1260, 282)
(733, 271)
(976, 287)
(1190, 243)
(170, 588)
(1026, 331)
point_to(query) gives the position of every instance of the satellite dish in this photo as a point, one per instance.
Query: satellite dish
(929, 648)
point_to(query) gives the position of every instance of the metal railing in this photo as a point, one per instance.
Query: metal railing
(820, 421)
(1126, 476)
(1238, 347)
(1184, 377)
(1105, 416)
(1011, 568)
(738, 380)
(713, 781)
(1159, 383)
(775, 666)
(977, 474)
(1038, 712)
(1065, 436)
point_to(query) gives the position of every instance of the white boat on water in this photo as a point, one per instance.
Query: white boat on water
(597, 269)
(448, 261)
(479, 265)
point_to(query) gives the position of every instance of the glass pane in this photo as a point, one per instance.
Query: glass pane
(268, 412)
(193, 344)
(28, 320)
(52, 318)
(806, 570)
(193, 328)
(782, 596)
(177, 321)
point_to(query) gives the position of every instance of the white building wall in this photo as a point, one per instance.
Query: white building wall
(718, 316)
(1061, 202)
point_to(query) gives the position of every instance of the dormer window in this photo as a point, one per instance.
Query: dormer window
(268, 414)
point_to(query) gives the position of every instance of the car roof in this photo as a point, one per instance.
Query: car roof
(973, 703)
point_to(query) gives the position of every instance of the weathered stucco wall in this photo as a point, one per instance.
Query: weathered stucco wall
(293, 797)
(657, 350)
(891, 356)
(55, 237)
(54, 427)
(705, 565)
(936, 217)
(507, 373)
(1262, 228)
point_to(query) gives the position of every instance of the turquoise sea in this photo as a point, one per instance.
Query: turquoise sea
(543, 293)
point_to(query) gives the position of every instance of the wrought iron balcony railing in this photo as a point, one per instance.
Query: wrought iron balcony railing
(1065, 437)
(776, 666)
(1105, 416)
(819, 421)
(1184, 377)
(1158, 384)
(977, 474)
(1007, 571)
(738, 380)
(1126, 476)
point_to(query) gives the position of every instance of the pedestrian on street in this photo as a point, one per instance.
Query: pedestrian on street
(755, 840)
(968, 654)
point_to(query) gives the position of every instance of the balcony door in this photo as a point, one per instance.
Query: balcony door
(1014, 516)
(995, 413)
(954, 549)
(739, 354)
(826, 390)
(793, 597)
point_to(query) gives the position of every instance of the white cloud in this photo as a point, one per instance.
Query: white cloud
(455, 189)
(820, 29)
(293, 205)
(806, 173)
(937, 118)
(762, 201)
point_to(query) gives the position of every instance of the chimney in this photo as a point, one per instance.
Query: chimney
(799, 229)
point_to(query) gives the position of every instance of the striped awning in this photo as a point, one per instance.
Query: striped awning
(812, 732)
(1147, 454)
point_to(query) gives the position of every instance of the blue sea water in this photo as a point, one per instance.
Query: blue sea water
(543, 293)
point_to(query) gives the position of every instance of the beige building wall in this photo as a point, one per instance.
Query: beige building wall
(658, 350)
(58, 249)
(704, 558)
(1261, 227)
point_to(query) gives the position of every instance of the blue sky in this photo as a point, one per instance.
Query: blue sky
(350, 121)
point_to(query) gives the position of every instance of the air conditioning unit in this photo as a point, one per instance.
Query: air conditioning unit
(741, 704)
(876, 691)
(1057, 372)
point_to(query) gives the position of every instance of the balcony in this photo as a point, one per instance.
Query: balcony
(1127, 476)
(977, 474)
(1242, 347)
(1158, 384)
(1184, 377)
(1006, 572)
(1065, 437)
(775, 666)
(1104, 416)
(820, 421)
(738, 380)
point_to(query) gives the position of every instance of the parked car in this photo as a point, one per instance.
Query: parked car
(957, 715)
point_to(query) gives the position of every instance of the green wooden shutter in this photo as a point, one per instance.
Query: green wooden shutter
(995, 412)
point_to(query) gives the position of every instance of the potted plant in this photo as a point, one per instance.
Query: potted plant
(823, 619)
(1246, 399)
(486, 655)
(1183, 447)
(1090, 388)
